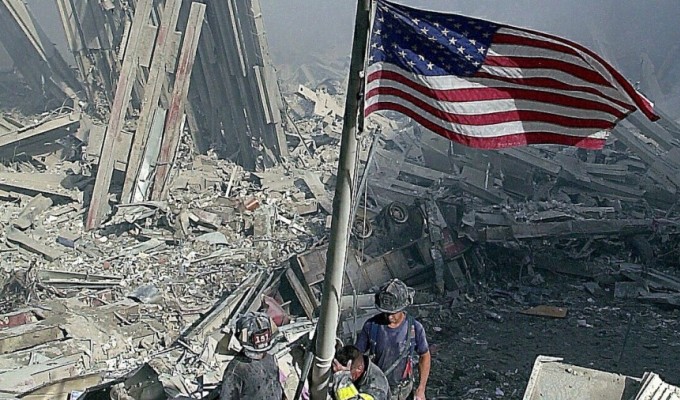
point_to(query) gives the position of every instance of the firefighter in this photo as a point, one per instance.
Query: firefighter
(253, 373)
(393, 339)
(355, 377)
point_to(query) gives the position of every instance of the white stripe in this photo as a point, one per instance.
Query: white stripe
(564, 77)
(515, 50)
(489, 106)
(491, 131)
(454, 82)
(590, 60)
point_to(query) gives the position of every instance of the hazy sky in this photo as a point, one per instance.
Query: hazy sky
(623, 28)
(625, 32)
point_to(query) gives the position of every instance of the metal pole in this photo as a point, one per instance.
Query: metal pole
(364, 177)
(309, 357)
(342, 208)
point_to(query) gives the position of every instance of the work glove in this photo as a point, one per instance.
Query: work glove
(343, 387)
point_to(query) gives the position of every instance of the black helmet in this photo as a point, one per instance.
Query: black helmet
(393, 297)
(254, 332)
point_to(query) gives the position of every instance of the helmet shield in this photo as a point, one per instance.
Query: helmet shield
(260, 340)
(254, 332)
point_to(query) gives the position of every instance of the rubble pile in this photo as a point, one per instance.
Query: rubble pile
(161, 188)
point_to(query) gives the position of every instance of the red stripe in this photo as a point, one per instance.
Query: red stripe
(509, 140)
(510, 39)
(482, 94)
(643, 104)
(578, 71)
(550, 83)
(494, 117)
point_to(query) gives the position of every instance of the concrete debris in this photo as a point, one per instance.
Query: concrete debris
(551, 378)
(172, 187)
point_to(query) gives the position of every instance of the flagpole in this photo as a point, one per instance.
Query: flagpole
(342, 209)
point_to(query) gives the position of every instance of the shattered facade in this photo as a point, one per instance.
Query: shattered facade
(171, 186)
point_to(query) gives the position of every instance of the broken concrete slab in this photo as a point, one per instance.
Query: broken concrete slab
(29, 214)
(67, 279)
(28, 243)
(49, 185)
(314, 184)
(28, 335)
(553, 379)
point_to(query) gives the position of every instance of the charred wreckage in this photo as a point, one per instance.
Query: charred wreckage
(177, 181)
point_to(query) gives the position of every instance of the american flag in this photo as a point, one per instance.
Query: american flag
(488, 85)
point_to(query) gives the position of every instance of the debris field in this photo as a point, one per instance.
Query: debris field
(167, 178)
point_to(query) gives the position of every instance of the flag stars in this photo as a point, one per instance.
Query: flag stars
(431, 46)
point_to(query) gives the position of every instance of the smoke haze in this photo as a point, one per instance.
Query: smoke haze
(633, 35)
(640, 38)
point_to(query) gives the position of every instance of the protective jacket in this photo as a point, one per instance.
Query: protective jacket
(372, 385)
(246, 378)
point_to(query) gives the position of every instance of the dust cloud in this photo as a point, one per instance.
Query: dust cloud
(638, 37)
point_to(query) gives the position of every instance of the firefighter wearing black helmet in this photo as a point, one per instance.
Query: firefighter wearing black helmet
(253, 373)
(394, 339)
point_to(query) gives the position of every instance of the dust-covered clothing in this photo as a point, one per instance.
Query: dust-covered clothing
(372, 385)
(404, 391)
(246, 378)
(373, 382)
(390, 345)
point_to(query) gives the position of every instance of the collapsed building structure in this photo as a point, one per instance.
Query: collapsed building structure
(170, 186)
